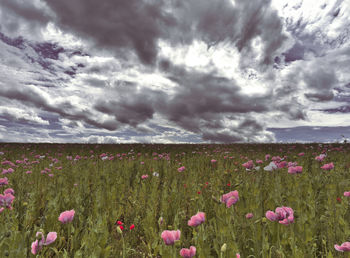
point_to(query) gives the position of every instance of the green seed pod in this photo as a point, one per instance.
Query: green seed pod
(177, 243)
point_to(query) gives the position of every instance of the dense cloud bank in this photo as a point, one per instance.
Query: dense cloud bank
(171, 71)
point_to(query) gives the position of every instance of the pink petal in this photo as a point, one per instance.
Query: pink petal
(51, 237)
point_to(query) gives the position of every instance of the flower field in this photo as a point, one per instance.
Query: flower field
(135, 200)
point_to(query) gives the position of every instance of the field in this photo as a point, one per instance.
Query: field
(125, 196)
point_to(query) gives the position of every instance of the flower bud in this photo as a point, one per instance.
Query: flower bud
(223, 248)
(119, 230)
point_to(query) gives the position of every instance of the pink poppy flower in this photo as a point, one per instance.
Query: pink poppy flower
(188, 253)
(345, 247)
(4, 181)
(66, 216)
(8, 171)
(294, 170)
(230, 198)
(284, 215)
(248, 165)
(181, 169)
(267, 156)
(169, 237)
(282, 164)
(347, 194)
(249, 215)
(37, 245)
(292, 164)
(9, 191)
(328, 166)
(197, 219)
(238, 255)
(320, 157)
(276, 158)
(270, 215)
(144, 176)
(6, 200)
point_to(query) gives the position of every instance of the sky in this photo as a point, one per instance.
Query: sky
(174, 71)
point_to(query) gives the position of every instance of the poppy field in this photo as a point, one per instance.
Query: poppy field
(162, 200)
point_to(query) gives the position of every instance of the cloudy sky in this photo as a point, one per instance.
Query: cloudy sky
(172, 71)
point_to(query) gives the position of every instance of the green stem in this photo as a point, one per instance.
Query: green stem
(174, 251)
(278, 237)
(293, 243)
(123, 246)
(68, 238)
(263, 240)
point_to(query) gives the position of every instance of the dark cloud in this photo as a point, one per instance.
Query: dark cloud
(202, 103)
(119, 25)
(293, 110)
(48, 50)
(130, 105)
(237, 24)
(221, 137)
(320, 80)
(20, 17)
(295, 53)
(115, 25)
(17, 42)
(132, 111)
(336, 13)
(322, 96)
(26, 10)
(342, 109)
